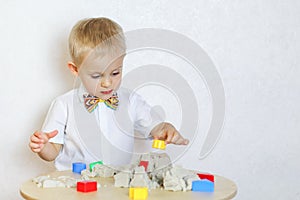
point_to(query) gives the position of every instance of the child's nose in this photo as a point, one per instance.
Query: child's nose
(106, 82)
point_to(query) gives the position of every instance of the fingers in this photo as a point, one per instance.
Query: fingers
(38, 134)
(36, 148)
(170, 136)
(52, 134)
(186, 142)
(182, 141)
(175, 138)
(39, 139)
(158, 132)
(35, 139)
(158, 137)
(46, 136)
(168, 133)
(36, 142)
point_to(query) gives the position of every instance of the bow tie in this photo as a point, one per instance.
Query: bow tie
(91, 102)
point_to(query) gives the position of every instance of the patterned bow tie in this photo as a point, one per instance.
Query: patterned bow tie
(91, 102)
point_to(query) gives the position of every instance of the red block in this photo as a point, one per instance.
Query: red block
(144, 164)
(87, 186)
(209, 177)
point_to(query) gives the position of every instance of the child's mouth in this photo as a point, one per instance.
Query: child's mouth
(106, 92)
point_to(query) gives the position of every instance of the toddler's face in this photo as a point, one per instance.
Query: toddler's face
(102, 76)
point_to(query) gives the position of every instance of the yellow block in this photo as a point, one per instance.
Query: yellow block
(159, 144)
(131, 190)
(138, 193)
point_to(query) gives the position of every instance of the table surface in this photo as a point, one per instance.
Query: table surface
(224, 189)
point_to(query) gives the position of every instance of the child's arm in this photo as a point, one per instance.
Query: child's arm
(167, 132)
(39, 143)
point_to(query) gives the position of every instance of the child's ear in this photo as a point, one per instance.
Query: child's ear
(73, 68)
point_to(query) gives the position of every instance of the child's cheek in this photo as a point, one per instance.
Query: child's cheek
(91, 85)
(118, 83)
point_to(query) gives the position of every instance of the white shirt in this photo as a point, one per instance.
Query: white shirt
(104, 134)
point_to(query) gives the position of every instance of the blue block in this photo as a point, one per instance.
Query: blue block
(203, 186)
(78, 167)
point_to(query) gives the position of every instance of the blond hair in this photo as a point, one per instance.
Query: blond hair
(101, 34)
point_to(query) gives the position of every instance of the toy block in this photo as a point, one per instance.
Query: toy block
(202, 186)
(159, 144)
(209, 177)
(92, 165)
(78, 167)
(144, 164)
(86, 186)
(138, 193)
(131, 190)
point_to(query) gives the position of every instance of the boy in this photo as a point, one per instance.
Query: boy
(96, 121)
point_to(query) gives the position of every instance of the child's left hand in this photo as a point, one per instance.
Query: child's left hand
(168, 133)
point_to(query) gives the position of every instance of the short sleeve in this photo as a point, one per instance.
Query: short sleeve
(145, 118)
(56, 120)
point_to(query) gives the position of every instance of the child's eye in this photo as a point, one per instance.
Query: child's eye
(95, 76)
(115, 73)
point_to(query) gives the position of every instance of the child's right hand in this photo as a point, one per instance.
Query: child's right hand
(39, 139)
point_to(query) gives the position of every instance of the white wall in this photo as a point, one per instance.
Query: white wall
(254, 45)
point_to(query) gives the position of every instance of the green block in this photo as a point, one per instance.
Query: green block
(92, 165)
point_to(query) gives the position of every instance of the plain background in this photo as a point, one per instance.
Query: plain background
(254, 44)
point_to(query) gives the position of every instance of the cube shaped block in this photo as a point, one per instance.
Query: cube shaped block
(159, 144)
(209, 177)
(144, 164)
(78, 167)
(138, 193)
(92, 165)
(203, 186)
(87, 186)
